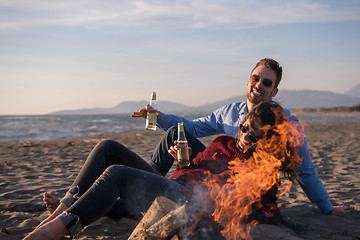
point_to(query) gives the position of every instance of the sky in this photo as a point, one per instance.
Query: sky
(64, 55)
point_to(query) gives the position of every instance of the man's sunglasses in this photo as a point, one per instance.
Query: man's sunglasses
(265, 81)
(244, 129)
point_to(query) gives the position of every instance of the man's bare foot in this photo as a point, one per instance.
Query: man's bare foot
(51, 202)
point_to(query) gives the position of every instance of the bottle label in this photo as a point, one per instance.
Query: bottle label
(151, 121)
(183, 154)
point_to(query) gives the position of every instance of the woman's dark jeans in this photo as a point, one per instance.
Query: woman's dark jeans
(116, 182)
(115, 178)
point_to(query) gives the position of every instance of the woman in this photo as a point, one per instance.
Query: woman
(113, 175)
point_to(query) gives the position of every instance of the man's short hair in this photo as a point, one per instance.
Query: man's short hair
(273, 65)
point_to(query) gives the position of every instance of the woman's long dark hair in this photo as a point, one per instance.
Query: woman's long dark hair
(269, 114)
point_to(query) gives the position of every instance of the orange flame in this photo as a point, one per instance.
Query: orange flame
(249, 179)
(285, 187)
(163, 235)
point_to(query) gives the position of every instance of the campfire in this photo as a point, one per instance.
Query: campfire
(248, 180)
(231, 203)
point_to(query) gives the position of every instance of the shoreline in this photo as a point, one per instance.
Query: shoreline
(160, 132)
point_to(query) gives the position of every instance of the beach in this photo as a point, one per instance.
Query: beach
(28, 169)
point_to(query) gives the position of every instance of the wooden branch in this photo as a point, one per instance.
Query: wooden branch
(158, 209)
(168, 225)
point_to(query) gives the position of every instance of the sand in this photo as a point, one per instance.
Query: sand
(29, 169)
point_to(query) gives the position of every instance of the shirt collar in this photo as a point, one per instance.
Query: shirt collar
(245, 110)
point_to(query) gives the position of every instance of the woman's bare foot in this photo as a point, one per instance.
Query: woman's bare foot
(51, 202)
(62, 207)
(55, 229)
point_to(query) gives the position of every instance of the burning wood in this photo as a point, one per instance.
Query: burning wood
(167, 226)
(178, 222)
(158, 209)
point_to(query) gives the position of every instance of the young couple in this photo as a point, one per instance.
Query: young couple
(115, 181)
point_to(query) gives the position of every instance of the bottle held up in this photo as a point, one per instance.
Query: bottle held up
(151, 117)
(182, 145)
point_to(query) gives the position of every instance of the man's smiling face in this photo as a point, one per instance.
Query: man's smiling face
(258, 87)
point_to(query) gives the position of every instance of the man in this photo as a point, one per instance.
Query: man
(262, 85)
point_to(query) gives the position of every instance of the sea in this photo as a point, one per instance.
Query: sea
(18, 128)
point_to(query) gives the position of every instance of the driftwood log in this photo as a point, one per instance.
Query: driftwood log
(167, 226)
(162, 221)
(158, 209)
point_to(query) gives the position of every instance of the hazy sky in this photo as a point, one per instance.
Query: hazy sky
(57, 55)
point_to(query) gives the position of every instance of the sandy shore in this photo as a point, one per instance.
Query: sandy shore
(29, 169)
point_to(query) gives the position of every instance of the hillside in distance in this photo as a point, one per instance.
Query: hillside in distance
(315, 99)
(129, 107)
(287, 98)
(354, 92)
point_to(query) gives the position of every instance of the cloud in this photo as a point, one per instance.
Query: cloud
(201, 14)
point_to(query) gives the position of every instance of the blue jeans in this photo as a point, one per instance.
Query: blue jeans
(115, 180)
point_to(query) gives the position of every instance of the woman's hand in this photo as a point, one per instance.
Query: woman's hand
(173, 150)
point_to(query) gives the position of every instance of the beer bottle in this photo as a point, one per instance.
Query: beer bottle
(182, 145)
(151, 117)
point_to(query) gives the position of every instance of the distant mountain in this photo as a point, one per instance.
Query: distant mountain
(129, 107)
(314, 99)
(354, 92)
(84, 111)
(166, 106)
(297, 99)
(287, 98)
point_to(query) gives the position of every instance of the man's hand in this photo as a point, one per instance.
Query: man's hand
(340, 209)
(143, 112)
